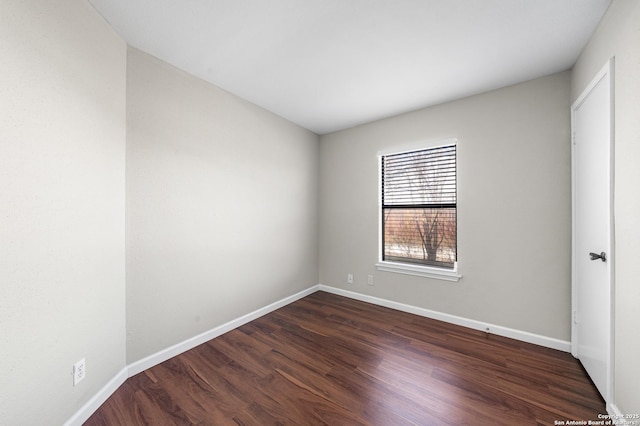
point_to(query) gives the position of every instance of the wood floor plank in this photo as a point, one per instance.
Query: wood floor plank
(330, 360)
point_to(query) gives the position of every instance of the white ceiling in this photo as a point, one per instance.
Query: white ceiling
(332, 64)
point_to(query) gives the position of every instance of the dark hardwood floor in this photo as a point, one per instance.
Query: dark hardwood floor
(330, 360)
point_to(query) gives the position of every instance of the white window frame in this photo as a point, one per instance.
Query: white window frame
(406, 268)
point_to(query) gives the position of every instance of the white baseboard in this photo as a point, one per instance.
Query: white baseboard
(524, 336)
(98, 399)
(177, 349)
(614, 412)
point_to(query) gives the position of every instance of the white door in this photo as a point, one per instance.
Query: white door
(591, 118)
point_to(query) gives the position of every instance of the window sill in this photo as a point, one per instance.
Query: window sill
(420, 271)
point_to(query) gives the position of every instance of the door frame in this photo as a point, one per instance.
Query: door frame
(606, 71)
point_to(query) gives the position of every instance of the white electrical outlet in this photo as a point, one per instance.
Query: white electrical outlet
(350, 278)
(370, 279)
(79, 371)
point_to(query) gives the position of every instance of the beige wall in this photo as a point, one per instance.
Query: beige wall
(62, 163)
(221, 206)
(514, 207)
(619, 35)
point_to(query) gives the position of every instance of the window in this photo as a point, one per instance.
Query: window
(419, 211)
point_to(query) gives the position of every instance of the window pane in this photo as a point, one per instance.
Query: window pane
(420, 177)
(424, 236)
